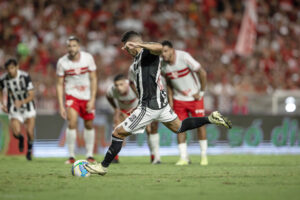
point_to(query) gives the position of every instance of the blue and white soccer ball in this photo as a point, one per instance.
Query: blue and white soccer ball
(79, 170)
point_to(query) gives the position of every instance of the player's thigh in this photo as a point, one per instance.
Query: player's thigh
(29, 124)
(173, 125)
(15, 125)
(72, 116)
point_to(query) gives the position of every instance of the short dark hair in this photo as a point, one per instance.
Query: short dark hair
(73, 38)
(10, 61)
(128, 35)
(167, 43)
(120, 77)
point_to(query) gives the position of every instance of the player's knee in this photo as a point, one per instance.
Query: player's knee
(119, 132)
(15, 129)
(72, 125)
(88, 125)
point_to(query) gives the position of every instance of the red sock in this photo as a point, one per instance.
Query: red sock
(152, 157)
(116, 157)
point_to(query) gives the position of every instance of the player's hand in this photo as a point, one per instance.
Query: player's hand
(196, 96)
(62, 112)
(4, 108)
(18, 104)
(90, 106)
(130, 45)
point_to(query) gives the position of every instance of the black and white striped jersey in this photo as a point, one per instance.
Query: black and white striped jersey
(17, 89)
(146, 70)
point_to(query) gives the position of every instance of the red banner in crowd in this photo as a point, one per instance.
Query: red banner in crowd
(247, 35)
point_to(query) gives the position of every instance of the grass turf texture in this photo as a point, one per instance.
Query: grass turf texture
(226, 177)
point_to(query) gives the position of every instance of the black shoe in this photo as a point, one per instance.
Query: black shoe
(21, 143)
(28, 156)
(115, 161)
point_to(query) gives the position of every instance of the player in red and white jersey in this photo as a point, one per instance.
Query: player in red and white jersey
(186, 81)
(77, 78)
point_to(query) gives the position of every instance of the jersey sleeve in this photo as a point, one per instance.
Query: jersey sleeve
(59, 69)
(191, 62)
(92, 64)
(28, 83)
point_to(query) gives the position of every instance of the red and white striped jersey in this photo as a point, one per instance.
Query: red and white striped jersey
(182, 76)
(124, 102)
(76, 74)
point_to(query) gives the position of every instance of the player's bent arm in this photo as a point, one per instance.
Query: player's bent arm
(111, 102)
(29, 98)
(154, 47)
(93, 79)
(59, 90)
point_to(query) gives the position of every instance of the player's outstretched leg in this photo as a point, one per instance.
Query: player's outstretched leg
(196, 122)
(118, 137)
(190, 123)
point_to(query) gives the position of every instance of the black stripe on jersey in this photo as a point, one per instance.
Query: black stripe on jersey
(138, 119)
(138, 84)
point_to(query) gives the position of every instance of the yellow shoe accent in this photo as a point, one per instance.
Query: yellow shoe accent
(182, 162)
(204, 161)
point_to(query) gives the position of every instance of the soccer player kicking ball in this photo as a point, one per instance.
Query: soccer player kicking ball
(186, 81)
(76, 73)
(123, 98)
(153, 103)
(20, 105)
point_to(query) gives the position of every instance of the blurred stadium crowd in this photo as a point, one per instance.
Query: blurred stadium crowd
(36, 31)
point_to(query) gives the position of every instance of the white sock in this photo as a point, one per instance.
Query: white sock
(71, 139)
(150, 145)
(154, 143)
(183, 151)
(89, 138)
(203, 147)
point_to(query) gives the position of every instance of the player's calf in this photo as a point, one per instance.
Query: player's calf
(21, 141)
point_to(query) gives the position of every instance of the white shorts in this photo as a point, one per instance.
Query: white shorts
(21, 115)
(142, 116)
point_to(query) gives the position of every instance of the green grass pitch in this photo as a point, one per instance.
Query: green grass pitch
(226, 177)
